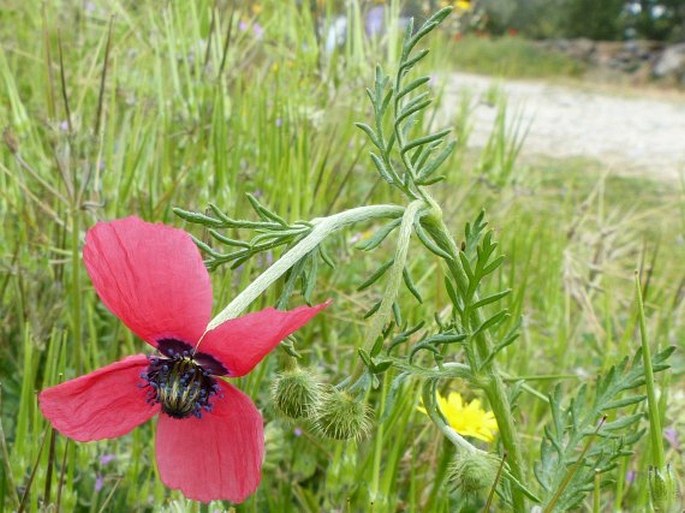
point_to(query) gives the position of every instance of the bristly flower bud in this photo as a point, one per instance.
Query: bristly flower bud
(474, 472)
(342, 416)
(662, 490)
(296, 393)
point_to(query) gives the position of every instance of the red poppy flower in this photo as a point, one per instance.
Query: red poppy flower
(210, 439)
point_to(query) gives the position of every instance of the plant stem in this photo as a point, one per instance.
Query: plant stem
(662, 486)
(394, 281)
(652, 404)
(378, 448)
(494, 387)
(76, 288)
(573, 469)
(428, 398)
(499, 402)
(7, 468)
(323, 227)
(462, 445)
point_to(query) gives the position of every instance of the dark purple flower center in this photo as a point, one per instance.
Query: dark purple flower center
(180, 381)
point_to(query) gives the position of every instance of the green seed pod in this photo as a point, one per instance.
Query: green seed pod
(342, 416)
(474, 472)
(296, 393)
(662, 490)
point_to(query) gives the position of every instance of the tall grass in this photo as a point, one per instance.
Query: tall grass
(185, 103)
(511, 56)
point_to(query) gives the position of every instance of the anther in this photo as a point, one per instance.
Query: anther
(179, 384)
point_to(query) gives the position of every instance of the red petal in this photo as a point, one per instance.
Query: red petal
(152, 277)
(240, 344)
(216, 457)
(103, 404)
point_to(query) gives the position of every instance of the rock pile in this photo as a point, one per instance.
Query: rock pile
(641, 58)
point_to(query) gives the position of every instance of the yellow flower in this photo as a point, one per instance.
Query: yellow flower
(467, 419)
(462, 5)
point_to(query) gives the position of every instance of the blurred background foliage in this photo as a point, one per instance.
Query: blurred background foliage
(661, 20)
(185, 102)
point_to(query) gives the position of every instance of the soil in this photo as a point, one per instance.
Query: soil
(628, 132)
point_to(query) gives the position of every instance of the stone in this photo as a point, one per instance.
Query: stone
(671, 63)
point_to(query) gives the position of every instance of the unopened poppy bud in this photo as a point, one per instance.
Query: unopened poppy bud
(474, 472)
(296, 393)
(662, 489)
(342, 416)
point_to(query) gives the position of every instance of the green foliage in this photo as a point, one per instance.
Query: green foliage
(271, 231)
(417, 158)
(515, 57)
(594, 20)
(661, 20)
(566, 478)
(182, 122)
(498, 161)
(478, 261)
(533, 18)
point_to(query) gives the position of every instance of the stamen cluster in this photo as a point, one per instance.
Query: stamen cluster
(179, 384)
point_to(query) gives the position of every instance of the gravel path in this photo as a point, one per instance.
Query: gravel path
(628, 134)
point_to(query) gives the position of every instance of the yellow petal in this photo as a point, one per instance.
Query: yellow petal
(466, 418)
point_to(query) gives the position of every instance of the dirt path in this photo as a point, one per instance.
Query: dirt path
(629, 134)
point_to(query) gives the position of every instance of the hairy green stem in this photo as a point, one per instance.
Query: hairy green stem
(394, 282)
(499, 402)
(428, 398)
(323, 227)
(378, 448)
(494, 386)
